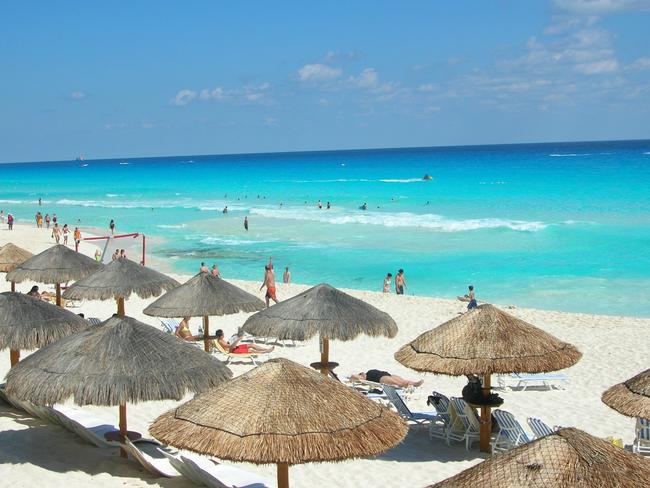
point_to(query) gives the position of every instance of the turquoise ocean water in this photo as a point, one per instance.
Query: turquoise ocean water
(561, 226)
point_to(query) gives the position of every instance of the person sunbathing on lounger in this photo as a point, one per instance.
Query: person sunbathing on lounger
(183, 330)
(385, 378)
(236, 348)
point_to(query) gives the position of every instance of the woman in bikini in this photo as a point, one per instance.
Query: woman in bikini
(237, 348)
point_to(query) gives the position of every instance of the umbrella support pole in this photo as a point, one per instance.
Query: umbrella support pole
(206, 333)
(120, 307)
(486, 417)
(324, 355)
(283, 475)
(123, 430)
(58, 294)
(14, 357)
(13, 286)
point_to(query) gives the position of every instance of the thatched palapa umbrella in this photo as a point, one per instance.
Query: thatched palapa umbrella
(117, 280)
(632, 397)
(282, 413)
(10, 257)
(204, 295)
(566, 458)
(28, 323)
(55, 265)
(119, 361)
(321, 310)
(485, 341)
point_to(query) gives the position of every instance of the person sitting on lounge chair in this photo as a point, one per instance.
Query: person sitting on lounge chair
(236, 348)
(45, 296)
(183, 330)
(385, 378)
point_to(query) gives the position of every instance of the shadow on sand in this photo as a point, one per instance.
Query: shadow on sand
(417, 447)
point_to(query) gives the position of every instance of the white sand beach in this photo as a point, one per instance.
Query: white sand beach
(35, 453)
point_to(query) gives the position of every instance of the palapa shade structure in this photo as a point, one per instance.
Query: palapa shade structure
(119, 361)
(632, 397)
(484, 341)
(321, 310)
(117, 280)
(10, 257)
(282, 413)
(566, 458)
(55, 265)
(29, 323)
(201, 296)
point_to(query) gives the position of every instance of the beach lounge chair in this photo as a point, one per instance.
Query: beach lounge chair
(85, 425)
(511, 433)
(94, 321)
(442, 427)
(230, 355)
(151, 456)
(418, 418)
(169, 325)
(470, 424)
(521, 381)
(539, 428)
(206, 472)
(641, 444)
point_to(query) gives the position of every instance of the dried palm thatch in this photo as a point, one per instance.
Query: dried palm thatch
(57, 264)
(11, 256)
(119, 279)
(30, 323)
(281, 412)
(321, 309)
(119, 361)
(487, 340)
(204, 295)
(632, 397)
(566, 458)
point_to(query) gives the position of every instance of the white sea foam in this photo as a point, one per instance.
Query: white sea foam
(355, 180)
(113, 195)
(228, 242)
(170, 226)
(11, 201)
(647, 153)
(401, 219)
(124, 164)
(569, 155)
(407, 180)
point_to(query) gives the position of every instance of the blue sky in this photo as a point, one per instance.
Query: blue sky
(121, 79)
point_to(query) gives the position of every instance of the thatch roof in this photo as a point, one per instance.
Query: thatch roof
(57, 264)
(321, 309)
(281, 412)
(566, 458)
(119, 361)
(28, 323)
(11, 256)
(487, 340)
(203, 295)
(118, 279)
(632, 397)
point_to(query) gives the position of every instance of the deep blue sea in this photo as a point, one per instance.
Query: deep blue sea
(562, 226)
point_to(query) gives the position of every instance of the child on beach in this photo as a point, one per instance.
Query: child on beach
(387, 281)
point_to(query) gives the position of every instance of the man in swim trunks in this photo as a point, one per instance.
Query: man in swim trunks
(235, 347)
(400, 282)
(385, 378)
(269, 282)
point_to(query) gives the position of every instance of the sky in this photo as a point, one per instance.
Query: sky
(155, 78)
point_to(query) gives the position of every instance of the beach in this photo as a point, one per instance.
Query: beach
(33, 452)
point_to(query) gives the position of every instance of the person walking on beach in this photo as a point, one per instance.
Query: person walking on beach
(2, 216)
(10, 221)
(77, 238)
(39, 220)
(98, 255)
(286, 277)
(246, 223)
(40, 201)
(203, 268)
(387, 281)
(400, 282)
(320, 205)
(269, 282)
(56, 233)
(47, 220)
(116, 255)
(122, 254)
(54, 219)
(111, 226)
(225, 209)
(66, 231)
(469, 298)
(215, 271)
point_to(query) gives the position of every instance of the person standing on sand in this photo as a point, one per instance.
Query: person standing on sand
(116, 255)
(66, 231)
(111, 226)
(215, 271)
(246, 223)
(10, 221)
(98, 255)
(56, 233)
(400, 282)
(54, 219)
(2, 216)
(387, 281)
(47, 220)
(269, 282)
(77, 237)
(286, 277)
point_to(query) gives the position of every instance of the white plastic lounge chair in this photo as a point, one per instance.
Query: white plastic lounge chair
(169, 325)
(86, 426)
(441, 428)
(230, 355)
(511, 433)
(539, 428)
(152, 457)
(516, 381)
(418, 418)
(470, 422)
(94, 321)
(641, 444)
(203, 471)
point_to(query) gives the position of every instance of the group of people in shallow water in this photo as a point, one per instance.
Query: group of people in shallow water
(400, 282)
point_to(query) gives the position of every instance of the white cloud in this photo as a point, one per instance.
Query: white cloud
(217, 93)
(335, 56)
(599, 7)
(318, 72)
(428, 87)
(148, 125)
(432, 109)
(368, 78)
(183, 97)
(598, 67)
(78, 95)
(323, 101)
(640, 64)
(270, 121)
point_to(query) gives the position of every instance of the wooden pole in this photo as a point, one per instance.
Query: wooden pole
(206, 333)
(14, 357)
(120, 306)
(283, 475)
(486, 417)
(13, 286)
(58, 294)
(324, 355)
(123, 431)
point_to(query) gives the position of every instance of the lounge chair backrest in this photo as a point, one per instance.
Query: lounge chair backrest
(94, 321)
(441, 405)
(643, 429)
(466, 414)
(169, 325)
(220, 347)
(510, 427)
(396, 400)
(539, 428)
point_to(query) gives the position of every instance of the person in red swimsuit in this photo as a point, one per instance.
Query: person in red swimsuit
(269, 282)
(237, 348)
